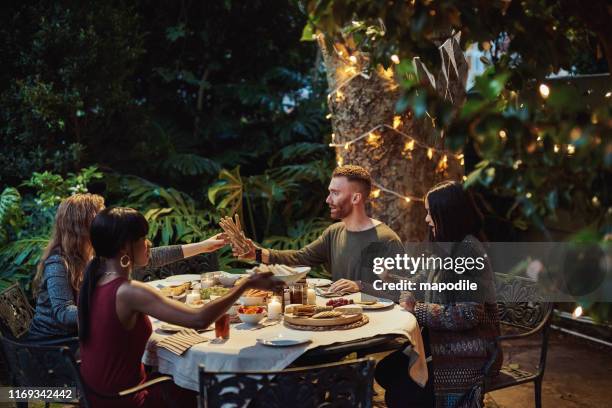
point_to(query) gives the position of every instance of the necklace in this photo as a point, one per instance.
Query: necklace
(110, 273)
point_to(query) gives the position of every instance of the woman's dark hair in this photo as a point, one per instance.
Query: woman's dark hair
(454, 213)
(110, 231)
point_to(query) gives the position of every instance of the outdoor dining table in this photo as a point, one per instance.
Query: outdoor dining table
(241, 352)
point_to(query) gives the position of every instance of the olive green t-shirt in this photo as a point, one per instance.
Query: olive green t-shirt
(345, 254)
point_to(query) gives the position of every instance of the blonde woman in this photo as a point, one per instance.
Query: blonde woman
(60, 272)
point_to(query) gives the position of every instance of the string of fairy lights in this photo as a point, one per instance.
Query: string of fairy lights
(373, 138)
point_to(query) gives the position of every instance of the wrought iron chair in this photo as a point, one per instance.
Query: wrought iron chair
(28, 363)
(15, 311)
(344, 384)
(200, 263)
(33, 365)
(520, 307)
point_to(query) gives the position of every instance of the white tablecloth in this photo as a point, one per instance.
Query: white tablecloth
(242, 353)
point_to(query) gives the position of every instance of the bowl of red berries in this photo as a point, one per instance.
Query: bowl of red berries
(339, 302)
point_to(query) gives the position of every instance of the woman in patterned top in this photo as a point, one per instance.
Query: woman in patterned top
(458, 327)
(60, 271)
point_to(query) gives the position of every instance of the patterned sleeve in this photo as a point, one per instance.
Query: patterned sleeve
(63, 307)
(161, 256)
(457, 316)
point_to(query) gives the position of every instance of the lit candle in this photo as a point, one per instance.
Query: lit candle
(311, 296)
(274, 308)
(192, 297)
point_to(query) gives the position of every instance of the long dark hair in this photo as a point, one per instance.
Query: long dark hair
(110, 231)
(454, 213)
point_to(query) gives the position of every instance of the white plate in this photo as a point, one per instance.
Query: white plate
(380, 304)
(318, 282)
(281, 340)
(178, 279)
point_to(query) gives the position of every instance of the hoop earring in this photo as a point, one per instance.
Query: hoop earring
(125, 263)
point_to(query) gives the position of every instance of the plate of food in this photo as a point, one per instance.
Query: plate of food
(251, 314)
(284, 340)
(287, 274)
(213, 292)
(253, 297)
(176, 291)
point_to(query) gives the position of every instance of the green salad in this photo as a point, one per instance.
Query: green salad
(214, 290)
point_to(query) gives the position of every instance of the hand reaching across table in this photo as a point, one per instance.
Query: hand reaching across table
(344, 285)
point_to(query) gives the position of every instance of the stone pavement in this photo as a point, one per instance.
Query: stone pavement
(578, 374)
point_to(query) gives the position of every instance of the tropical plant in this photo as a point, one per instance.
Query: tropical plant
(25, 222)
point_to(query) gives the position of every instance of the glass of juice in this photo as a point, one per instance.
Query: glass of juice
(297, 293)
(222, 327)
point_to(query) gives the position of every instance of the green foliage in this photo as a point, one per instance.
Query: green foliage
(25, 222)
(11, 214)
(52, 188)
(299, 235)
(173, 216)
(65, 78)
(544, 155)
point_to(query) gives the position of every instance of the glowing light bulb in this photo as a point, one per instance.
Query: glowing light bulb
(556, 148)
(430, 153)
(502, 134)
(328, 116)
(409, 146)
(571, 149)
(577, 312)
(407, 199)
(373, 139)
(397, 122)
(544, 90)
(395, 59)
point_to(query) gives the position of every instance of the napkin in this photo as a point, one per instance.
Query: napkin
(416, 352)
(327, 294)
(182, 341)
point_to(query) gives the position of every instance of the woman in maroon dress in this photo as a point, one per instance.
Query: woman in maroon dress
(113, 323)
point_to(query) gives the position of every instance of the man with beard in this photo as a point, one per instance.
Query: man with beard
(348, 247)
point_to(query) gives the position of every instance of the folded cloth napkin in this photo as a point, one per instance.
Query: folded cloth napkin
(182, 341)
(327, 294)
(416, 352)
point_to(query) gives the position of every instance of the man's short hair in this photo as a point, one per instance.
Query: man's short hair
(356, 174)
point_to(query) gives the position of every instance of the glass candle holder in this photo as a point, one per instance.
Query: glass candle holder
(275, 307)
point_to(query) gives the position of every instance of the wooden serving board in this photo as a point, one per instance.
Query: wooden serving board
(334, 321)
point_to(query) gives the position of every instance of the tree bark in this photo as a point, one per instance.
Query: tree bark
(363, 104)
